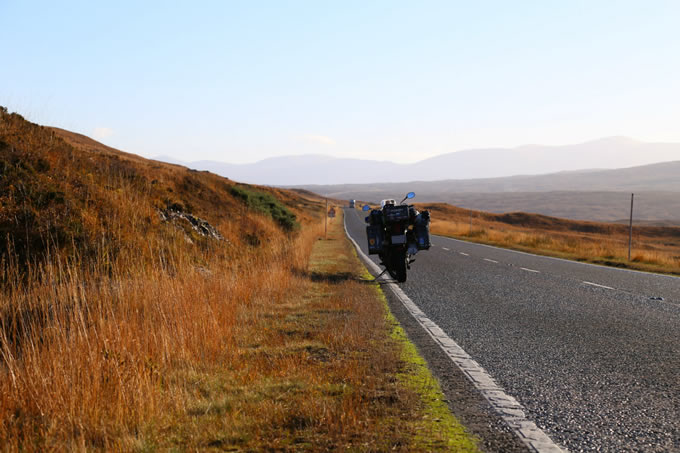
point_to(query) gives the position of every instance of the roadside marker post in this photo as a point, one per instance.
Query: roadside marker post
(630, 229)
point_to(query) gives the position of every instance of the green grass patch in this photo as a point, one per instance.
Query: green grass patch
(266, 204)
(437, 427)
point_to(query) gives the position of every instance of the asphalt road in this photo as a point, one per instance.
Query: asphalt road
(592, 353)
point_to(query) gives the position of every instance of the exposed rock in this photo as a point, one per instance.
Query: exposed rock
(175, 215)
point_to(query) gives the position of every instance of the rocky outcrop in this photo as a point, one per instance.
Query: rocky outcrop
(177, 216)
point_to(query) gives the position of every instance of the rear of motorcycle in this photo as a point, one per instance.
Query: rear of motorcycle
(396, 225)
(391, 238)
(388, 236)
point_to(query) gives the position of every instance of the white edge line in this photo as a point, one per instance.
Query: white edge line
(509, 409)
(652, 274)
(530, 270)
(599, 286)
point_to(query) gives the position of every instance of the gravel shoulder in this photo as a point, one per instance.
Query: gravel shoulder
(464, 401)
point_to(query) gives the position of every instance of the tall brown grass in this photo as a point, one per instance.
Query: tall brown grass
(86, 352)
(106, 309)
(124, 330)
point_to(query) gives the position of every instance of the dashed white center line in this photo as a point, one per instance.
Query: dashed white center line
(464, 254)
(599, 286)
(490, 261)
(530, 270)
(446, 249)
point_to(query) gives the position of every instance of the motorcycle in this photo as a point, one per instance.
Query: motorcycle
(396, 232)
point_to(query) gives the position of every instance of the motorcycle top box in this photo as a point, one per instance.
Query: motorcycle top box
(395, 213)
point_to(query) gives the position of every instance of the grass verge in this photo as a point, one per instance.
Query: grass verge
(437, 428)
(412, 414)
(326, 368)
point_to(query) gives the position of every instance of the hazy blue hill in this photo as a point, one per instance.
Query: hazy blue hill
(663, 176)
(607, 153)
(312, 169)
(602, 195)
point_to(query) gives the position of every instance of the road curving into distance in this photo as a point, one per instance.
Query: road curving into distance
(591, 353)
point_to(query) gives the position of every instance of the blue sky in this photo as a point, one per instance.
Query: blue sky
(389, 80)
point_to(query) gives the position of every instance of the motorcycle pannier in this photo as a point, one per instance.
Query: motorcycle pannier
(421, 227)
(374, 233)
(375, 217)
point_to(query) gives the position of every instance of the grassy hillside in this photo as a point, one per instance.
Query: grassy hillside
(148, 307)
(655, 248)
(62, 193)
(118, 276)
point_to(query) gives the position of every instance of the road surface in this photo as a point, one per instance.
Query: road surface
(592, 353)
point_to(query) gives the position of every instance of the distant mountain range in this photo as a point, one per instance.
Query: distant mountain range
(664, 176)
(606, 153)
(602, 195)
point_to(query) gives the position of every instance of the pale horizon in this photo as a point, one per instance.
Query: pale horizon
(652, 160)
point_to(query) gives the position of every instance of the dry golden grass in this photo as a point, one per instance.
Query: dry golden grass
(259, 353)
(101, 300)
(120, 331)
(90, 360)
(655, 249)
(314, 371)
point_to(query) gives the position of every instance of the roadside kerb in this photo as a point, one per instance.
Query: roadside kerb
(508, 408)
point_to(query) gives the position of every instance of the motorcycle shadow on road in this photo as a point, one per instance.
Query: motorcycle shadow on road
(333, 277)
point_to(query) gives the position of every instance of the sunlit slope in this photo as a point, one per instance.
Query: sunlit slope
(64, 192)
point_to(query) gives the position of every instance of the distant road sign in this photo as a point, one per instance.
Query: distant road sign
(331, 212)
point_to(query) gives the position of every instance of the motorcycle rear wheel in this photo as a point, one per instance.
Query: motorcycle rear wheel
(398, 266)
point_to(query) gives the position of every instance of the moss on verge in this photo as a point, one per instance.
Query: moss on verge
(438, 427)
